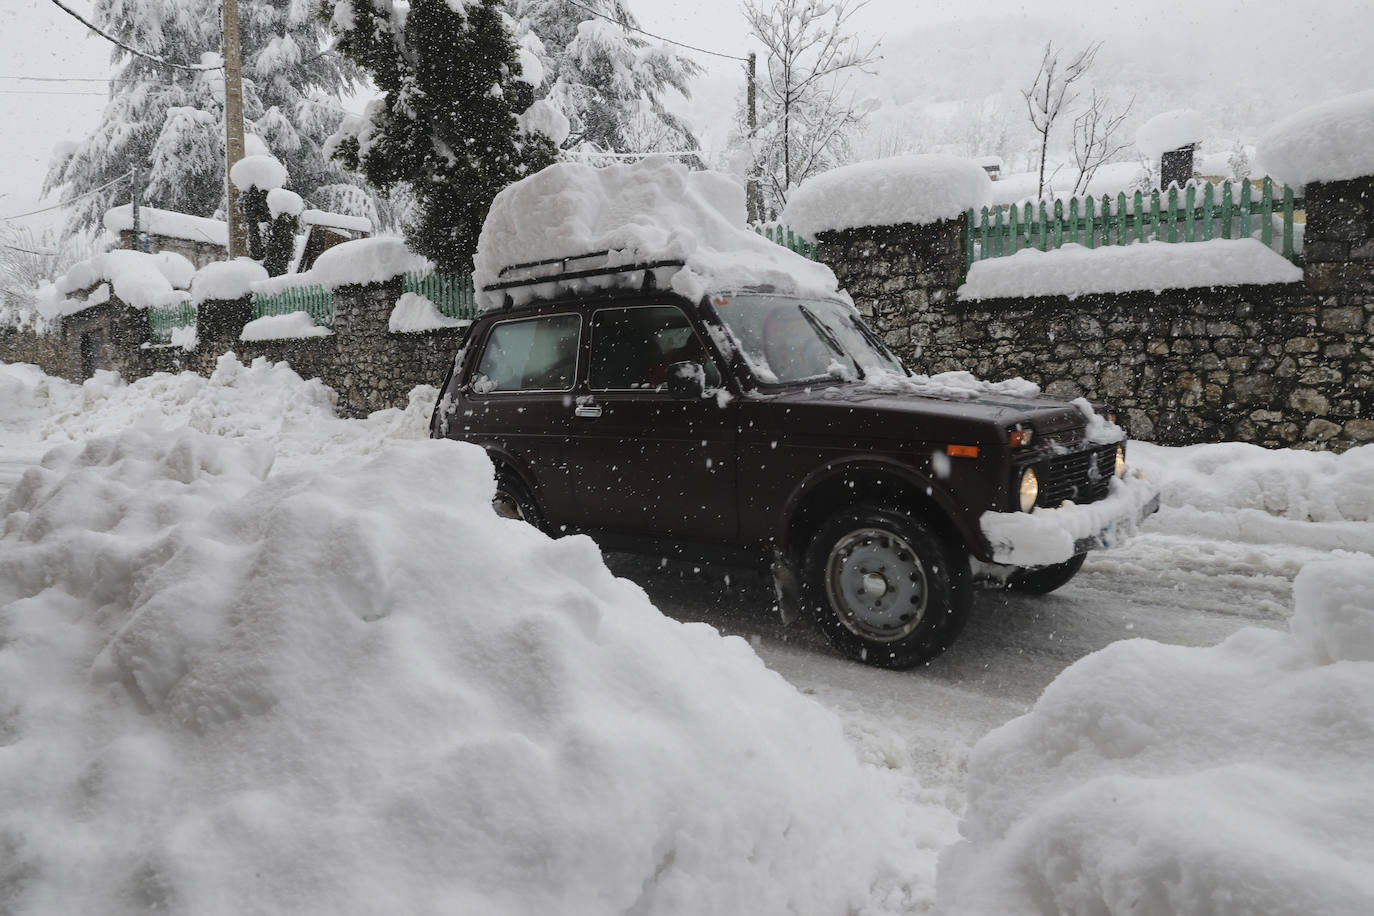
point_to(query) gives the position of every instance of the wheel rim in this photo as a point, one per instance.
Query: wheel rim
(507, 506)
(876, 584)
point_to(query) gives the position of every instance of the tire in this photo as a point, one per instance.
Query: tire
(865, 567)
(514, 500)
(1046, 579)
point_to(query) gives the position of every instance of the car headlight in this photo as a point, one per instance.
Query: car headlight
(1120, 469)
(1030, 489)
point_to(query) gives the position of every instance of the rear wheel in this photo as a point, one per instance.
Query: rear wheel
(1046, 579)
(884, 588)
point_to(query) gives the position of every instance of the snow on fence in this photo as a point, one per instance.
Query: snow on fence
(451, 292)
(786, 238)
(163, 320)
(316, 301)
(1191, 214)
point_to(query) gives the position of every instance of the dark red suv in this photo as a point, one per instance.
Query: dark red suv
(774, 430)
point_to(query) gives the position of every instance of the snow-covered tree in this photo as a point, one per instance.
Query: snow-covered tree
(807, 112)
(168, 122)
(455, 124)
(609, 81)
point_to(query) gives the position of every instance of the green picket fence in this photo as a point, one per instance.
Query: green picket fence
(451, 293)
(787, 239)
(316, 301)
(163, 320)
(1192, 214)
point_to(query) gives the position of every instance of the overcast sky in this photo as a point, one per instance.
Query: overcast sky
(1278, 53)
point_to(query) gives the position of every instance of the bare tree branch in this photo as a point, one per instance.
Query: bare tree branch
(1051, 92)
(1095, 140)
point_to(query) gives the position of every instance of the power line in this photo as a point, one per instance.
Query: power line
(5, 219)
(48, 92)
(632, 28)
(194, 68)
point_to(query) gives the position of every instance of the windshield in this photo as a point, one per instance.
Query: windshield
(787, 339)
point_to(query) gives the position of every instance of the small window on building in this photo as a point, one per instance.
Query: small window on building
(533, 354)
(632, 348)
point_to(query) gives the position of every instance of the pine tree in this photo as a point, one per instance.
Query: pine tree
(446, 131)
(169, 122)
(608, 81)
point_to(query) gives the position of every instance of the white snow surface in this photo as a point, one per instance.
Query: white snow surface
(215, 666)
(544, 117)
(226, 279)
(413, 313)
(1168, 131)
(1331, 141)
(373, 260)
(1074, 270)
(141, 280)
(314, 217)
(654, 209)
(884, 192)
(1153, 780)
(283, 327)
(1046, 536)
(959, 384)
(264, 172)
(280, 200)
(169, 223)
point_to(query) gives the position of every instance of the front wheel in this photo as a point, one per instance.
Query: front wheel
(1046, 579)
(884, 588)
(513, 499)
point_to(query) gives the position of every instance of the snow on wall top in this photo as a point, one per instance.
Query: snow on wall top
(226, 279)
(140, 280)
(280, 200)
(353, 263)
(1169, 131)
(1331, 141)
(887, 192)
(264, 172)
(1076, 271)
(335, 220)
(654, 209)
(169, 223)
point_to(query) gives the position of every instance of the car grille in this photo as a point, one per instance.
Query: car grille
(1081, 476)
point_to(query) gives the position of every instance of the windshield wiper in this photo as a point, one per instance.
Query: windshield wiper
(874, 340)
(828, 337)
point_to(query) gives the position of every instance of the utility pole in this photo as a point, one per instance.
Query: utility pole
(753, 199)
(135, 192)
(233, 125)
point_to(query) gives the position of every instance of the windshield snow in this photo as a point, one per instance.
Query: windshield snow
(786, 339)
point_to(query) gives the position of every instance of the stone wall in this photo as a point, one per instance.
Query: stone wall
(1280, 365)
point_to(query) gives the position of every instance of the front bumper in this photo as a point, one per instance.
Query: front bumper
(1048, 536)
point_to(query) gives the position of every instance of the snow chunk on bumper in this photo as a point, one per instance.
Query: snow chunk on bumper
(1048, 536)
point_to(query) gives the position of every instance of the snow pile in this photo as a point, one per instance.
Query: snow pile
(263, 172)
(1332, 141)
(1170, 131)
(283, 327)
(1048, 536)
(353, 263)
(169, 223)
(1077, 271)
(225, 691)
(335, 220)
(140, 280)
(1288, 483)
(28, 394)
(957, 385)
(1153, 780)
(652, 210)
(280, 200)
(887, 192)
(226, 279)
(414, 313)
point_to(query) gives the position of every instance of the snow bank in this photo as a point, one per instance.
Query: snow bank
(226, 279)
(1047, 536)
(264, 172)
(1155, 779)
(139, 279)
(225, 691)
(414, 313)
(1331, 141)
(1170, 131)
(654, 209)
(353, 263)
(886, 192)
(1289, 483)
(280, 200)
(1074, 270)
(283, 327)
(169, 223)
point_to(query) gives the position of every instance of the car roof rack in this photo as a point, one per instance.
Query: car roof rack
(554, 270)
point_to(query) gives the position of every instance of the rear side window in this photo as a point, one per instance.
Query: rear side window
(531, 354)
(633, 347)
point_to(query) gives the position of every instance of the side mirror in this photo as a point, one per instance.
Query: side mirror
(686, 381)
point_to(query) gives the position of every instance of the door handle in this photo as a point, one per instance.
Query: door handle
(587, 411)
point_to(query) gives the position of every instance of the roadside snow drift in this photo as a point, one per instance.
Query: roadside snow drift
(653, 210)
(224, 691)
(1155, 779)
